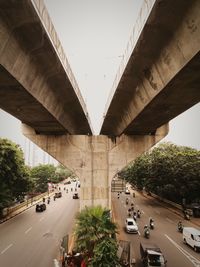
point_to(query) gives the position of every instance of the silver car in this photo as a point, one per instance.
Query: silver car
(131, 226)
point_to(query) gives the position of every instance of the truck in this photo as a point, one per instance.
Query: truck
(151, 255)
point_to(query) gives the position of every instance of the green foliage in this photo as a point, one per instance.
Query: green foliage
(169, 171)
(105, 254)
(93, 230)
(61, 173)
(41, 175)
(14, 175)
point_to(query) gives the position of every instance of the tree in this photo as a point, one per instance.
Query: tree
(61, 173)
(168, 170)
(14, 175)
(93, 230)
(42, 174)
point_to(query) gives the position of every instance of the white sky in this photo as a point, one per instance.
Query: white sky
(94, 35)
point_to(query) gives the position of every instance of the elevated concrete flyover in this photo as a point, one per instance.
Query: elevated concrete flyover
(159, 75)
(36, 83)
(158, 80)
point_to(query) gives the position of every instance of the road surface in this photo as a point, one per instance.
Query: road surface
(165, 234)
(33, 239)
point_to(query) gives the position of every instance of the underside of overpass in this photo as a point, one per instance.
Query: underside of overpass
(159, 75)
(159, 80)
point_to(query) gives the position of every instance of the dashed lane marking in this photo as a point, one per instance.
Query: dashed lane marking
(28, 230)
(9, 246)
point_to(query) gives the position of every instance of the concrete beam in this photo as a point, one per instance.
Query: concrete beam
(32, 68)
(95, 159)
(162, 75)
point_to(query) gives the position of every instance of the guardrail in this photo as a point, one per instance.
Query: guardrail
(10, 210)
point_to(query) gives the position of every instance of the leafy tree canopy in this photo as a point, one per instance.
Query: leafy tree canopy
(14, 175)
(169, 171)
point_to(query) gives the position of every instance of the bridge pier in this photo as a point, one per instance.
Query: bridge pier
(94, 159)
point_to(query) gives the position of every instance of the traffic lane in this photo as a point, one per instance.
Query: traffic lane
(166, 222)
(19, 222)
(159, 236)
(43, 237)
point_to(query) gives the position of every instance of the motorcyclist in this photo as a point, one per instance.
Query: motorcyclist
(135, 215)
(129, 212)
(180, 226)
(48, 200)
(186, 215)
(138, 213)
(151, 223)
(127, 201)
(146, 231)
(132, 206)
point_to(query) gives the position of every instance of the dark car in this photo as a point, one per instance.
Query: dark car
(75, 196)
(40, 207)
(58, 194)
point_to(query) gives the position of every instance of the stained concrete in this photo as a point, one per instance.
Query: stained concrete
(95, 159)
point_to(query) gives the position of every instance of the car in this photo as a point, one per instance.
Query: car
(131, 226)
(58, 194)
(40, 207)
(75, 196)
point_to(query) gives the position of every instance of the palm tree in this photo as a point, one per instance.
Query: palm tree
(94, 233)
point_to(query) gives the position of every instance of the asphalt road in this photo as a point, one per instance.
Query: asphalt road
(165, 234)
(33, 239)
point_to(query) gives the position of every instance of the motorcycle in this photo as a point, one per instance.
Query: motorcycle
(138, 214)
(151, 224)
(146, 233)
(187, 217)
(126, 201)
(180, 227)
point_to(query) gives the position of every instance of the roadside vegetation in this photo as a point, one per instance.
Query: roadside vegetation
(18, 180)
(169, 171)
(95, 237)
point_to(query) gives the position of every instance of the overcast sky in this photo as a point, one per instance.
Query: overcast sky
(94, 35)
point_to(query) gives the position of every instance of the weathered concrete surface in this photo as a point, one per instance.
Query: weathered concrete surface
(36, 82)
(95, 159)
(161, 78)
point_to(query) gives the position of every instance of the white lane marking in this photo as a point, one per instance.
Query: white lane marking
(41, 219)
(142, 212)
(191, 258)
(169, 220)
(9, 246)
(139, 233)
(157, 211)
(28, 230)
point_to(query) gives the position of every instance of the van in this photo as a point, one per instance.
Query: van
(151, 255)
(191, 236)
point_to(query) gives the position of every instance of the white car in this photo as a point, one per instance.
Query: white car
(131, 226)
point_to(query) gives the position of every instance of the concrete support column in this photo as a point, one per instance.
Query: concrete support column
(94, 159)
